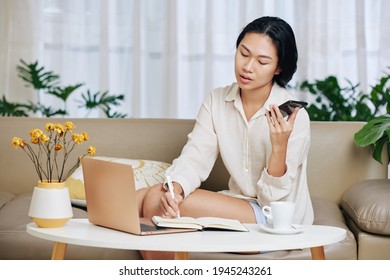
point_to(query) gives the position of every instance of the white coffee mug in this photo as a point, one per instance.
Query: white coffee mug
(281, 214)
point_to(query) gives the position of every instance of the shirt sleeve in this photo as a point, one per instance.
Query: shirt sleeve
(198, 156)
(270, 188)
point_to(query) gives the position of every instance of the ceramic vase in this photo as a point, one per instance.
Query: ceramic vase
(50, 205)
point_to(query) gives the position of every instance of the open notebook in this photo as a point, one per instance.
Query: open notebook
(199, 223)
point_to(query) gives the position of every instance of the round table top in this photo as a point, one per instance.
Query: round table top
(82, 232)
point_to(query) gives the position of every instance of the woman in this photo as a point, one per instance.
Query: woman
(264, 153)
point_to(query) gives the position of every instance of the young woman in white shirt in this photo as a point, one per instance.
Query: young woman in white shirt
(264, 152)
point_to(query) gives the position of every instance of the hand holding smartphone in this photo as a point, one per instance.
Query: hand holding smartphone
(288, 107)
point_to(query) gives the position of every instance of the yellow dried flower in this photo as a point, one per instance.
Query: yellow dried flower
(59, 129)
(17, 142)
(69, 126)
(91, 150)
(58, 147)
(77, 138)
(86, 136)
(36, 133)
(44, 138)
(49, 127)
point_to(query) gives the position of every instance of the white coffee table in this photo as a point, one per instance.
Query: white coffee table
(81, 232)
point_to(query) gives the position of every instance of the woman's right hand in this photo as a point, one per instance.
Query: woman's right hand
(170, 205)
(280, 131)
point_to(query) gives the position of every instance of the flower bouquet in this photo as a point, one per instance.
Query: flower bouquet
(50, 151)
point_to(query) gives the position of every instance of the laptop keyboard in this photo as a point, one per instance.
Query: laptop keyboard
(145, 227)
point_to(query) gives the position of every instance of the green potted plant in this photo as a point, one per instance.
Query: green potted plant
(376, 133)
(332, 102)
(335, 103)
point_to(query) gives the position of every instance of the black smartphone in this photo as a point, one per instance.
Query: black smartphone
(288, 107)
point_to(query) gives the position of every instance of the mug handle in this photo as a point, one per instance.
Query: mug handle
(267, 212)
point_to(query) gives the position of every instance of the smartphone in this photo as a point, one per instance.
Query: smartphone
(288, 107)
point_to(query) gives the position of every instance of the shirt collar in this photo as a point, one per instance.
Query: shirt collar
(233, 94)
(275, 97)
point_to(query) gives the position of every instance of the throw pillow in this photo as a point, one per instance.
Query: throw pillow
(146, 173)
(367, 204)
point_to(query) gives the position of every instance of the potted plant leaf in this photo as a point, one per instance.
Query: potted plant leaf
(376, 132)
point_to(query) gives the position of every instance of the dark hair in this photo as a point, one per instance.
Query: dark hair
(283, 38)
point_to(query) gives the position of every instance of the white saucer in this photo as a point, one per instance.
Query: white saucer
(292, 230)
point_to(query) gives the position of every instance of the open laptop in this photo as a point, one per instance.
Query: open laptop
(112, 200)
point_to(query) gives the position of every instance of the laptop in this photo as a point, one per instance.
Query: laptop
(112, 199)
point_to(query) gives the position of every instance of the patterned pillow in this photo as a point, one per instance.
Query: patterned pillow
(146, 173)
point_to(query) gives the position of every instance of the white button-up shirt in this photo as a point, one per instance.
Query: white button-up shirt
(245, 148)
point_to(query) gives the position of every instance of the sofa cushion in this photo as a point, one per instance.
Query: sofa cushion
(5, 197)
(14, 215)
(146, 173)
(367, 204)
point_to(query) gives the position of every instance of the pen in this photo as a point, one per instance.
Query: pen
(170, 188)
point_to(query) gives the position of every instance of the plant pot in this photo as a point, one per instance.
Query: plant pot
(50, 205)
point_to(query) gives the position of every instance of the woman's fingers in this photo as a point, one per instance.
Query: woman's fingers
(276, 119)
(170, 206)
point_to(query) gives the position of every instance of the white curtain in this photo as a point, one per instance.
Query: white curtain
(165, 55)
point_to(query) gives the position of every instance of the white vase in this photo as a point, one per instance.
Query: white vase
(50, 205)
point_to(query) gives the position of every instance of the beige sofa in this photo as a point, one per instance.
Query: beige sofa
(335, 164)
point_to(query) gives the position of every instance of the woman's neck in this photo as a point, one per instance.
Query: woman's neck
(253, 101)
